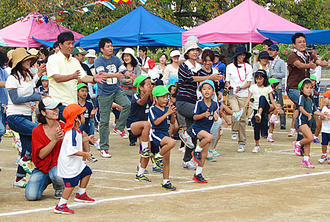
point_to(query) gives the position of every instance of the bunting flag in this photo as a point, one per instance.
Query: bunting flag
(128, 1)
(119, 1)
(143, 1)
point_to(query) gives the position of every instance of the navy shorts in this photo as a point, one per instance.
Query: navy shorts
(73, 182)
(156, 138)
(116, 113)
(325, 139)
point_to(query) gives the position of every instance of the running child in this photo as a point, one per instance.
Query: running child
(161, 116)
(325, 127)
(174, 128)
(71, 165)
(205, 113)
(304, 121)
(261, 94)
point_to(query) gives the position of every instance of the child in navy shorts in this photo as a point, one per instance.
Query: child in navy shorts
(161, 116)
(205, 113)
(304, 120)
(71, 166)
(325, 127)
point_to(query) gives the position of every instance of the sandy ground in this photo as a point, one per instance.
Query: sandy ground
(268, 186)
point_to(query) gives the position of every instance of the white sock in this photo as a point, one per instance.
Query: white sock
(165, 181)
(298, 143)
(198, 149)
(62, 201)
(199, 170)
(141, 171)
(315, 137)
(158, 155)
(306, 158)
(270, 134)
(293, 129)
(144, 145)
(81, 191)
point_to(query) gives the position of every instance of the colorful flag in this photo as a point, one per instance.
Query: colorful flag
(128, 1)
(108, 4)
(143, 1)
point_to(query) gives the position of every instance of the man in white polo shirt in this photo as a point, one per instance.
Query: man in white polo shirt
(64, 71)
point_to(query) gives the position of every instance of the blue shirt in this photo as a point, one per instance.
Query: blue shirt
(3, 91)
(138, 112)
(154, 114)
(221, 67)
(89, 108)
(111, 65)
(204, 123)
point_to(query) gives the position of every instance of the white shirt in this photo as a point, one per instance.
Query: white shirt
(168, 72)
(325, 123)
(239, 77)
(69, 165)
(24, 88)
(257, 92)
(65, 92)
(144, 65)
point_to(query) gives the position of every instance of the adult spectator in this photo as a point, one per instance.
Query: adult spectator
(238, 81)
(318, 70)
(162, 64)
(278, 68)
(263, 63)
(91, 56)
(56, 47)
(46, 145)
(172, 68)
(3, 92)
(20, 85)
(144, 60)
(79, 53)
(64, 71)
(299, 64)
(266, 44)
(110, 66)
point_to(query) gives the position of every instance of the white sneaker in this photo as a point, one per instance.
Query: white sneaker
(21, 183)
(186, 139)
(256, 149)
(189, 165)
(182, 149)
(105, 154)
(241, 148)
(234, 136)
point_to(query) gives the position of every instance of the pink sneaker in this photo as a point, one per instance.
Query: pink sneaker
(307, 163)
(270, 139)
(83, 198)
(296, 148)
(292, 133)
(122, 134)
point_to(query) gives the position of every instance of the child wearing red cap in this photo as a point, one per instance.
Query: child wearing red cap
(71, 166)
(325, 127)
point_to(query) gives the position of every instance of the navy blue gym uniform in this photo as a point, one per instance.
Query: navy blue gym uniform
(138, 113)
(309, 106)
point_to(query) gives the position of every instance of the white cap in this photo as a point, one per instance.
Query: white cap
(175, 53)
(91, 53)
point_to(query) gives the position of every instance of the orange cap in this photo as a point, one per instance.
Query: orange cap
(326, 94)
(70, 113)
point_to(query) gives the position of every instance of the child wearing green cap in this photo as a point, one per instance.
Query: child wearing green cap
(137, 121)
(161, 115)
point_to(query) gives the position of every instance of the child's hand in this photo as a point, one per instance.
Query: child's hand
(118, 107)
(207, 113)
(92, 139)
(171, 109)
(216, 116)
(228, 122)
(94, 111)
(87, 156)
(309, 116)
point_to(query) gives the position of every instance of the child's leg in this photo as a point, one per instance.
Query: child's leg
(166, 169)
(205, 142)
(218, 139)
(67, 193)
(167, 144)
(308, 138)
(318, 125)
(84, 181)
(271, 128)
(142, 128)
(324, 149)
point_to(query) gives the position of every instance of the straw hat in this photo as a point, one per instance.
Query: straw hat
(21, 55)
(129, 51)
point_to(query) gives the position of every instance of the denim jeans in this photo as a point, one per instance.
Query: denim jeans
(294, 94)
(2, 124)
(39, 181)
(23, 125)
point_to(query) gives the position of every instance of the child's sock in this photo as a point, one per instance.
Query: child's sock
(141, 171)
(198, 149)
(199, 170)
(165, 181)
(306, 158)
(293, 129)
(62, 201)
(81, 191)
(270, 134)
(144, 145)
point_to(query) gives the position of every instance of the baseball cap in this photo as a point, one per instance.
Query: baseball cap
(79, 50)
(274, 47)
(312, 77)
(49, 103)
(273, 81)
(207, 82)
(44, 78)
(175, 53)
(159, 91)
(81, 85)
(70, 113)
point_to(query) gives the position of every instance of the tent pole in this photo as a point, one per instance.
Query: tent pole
(250, 50)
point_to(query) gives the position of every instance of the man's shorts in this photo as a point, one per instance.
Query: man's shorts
(73, 182)
(325, 139)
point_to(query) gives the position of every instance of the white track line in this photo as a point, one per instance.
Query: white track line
(167, 193)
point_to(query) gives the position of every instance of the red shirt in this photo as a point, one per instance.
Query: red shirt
(39, 141)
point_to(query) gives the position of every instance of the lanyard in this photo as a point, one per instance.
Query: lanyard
(240, 75)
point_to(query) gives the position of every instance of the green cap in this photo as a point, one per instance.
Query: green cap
(138, 81)
(79, 50)
(302, 82)
(159, 91)
(81, 85)
(273, 81)
(312, 77)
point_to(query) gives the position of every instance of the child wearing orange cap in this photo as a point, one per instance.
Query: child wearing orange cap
(71, 166)
(325, 127)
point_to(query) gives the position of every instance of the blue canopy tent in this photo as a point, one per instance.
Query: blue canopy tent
(317, 37)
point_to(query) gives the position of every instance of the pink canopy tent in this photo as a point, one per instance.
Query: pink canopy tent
(239, 25)
(21, 32)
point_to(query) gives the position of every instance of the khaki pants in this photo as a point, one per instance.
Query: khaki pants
(237, 103)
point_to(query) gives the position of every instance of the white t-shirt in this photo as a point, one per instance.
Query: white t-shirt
(239, 77)
(24, 88)
(144, 65)
(325, 123)
(257, 92)
(69, 165)
(154, 73)
(168, 72)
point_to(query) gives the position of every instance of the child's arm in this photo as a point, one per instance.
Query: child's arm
(86, 155)
(216, 116)
(202, 115)
(272, 100)
(171, 110)
(144, 98)
(304, 112)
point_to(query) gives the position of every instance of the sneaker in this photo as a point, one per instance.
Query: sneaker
(132, 144)
(316, 140)
(323, 159)
(241, 148)
(234, 136)
(197, 156)
(157, 170)
(145, 153)
(283, 127)
(307, 163)
(122, 134)
(249, 123)
(189, 165)
(199, 178)
(158, 161)
(186, 139)
(296, 148)
(145, 170)
(214, 152)
(237, 115)
(63, 209)
(270, 139)
(256, 149)
(105, 153)
(292, 133)
(115, 130)
(182, 149)
(168, 186)
(210, 157)
(26, 165)
(94, 159)
(142, 178)
(258, 118)
(58, 194)
(21, 183)
(83, 198)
